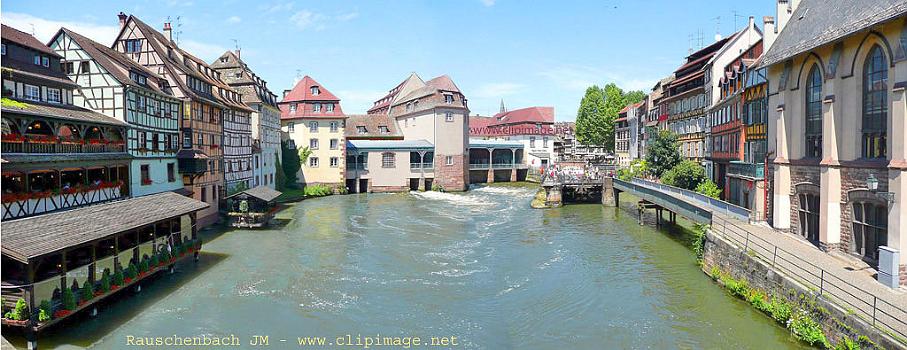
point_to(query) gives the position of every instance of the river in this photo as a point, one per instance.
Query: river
(480, 266)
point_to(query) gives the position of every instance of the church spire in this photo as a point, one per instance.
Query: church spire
(503, 109)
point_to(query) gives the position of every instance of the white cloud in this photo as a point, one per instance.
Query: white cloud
(306, 19)
(278, 7)
(488, 2)
(44, 29)
(234, 19)
(358, 101)
(497, 90)
(205, 51)
(347, 16)
(578, 78)
(179, 3)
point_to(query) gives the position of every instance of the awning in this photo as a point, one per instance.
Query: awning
(261, 192)
(36, 236)
(191, 154)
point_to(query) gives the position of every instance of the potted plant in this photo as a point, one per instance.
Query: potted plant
(20, 314)
(69, 300)
(105, 283)
(86, 292)
(44, 311)
(152, 262)
(117, 280)
(129, 273)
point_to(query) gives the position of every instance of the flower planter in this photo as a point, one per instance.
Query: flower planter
(114, 287)
(62, 313)
(172, 260)
(127, 280)
(141, 274)
(16, 322)
(97, 294)
(83, 302)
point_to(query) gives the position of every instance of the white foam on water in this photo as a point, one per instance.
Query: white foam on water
(501, 190)
(457, 199)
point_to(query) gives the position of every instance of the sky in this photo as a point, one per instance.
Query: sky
(526, 53)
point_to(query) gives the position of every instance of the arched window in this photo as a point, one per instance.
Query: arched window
(870, 230)
(875, 104)
(814, 113)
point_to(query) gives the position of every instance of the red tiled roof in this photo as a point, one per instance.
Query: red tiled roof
(524, 115)
(303, 92)
(443, 83)
(25, 39)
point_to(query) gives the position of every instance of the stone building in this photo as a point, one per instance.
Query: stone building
(837, 76)
(264, 118)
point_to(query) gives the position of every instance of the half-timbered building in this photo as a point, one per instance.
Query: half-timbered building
(113, 84)
(55, 155)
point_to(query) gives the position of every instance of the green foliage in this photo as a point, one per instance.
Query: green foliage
(131, 271)
(697, 241)
(20, 313)
(637, 168)
(69, 299)
(44, 311)
(759, 300)
(6, 102)
(781, 310)
(291, 164)
(317, 190)
(118, 278)
(847, 344)
(105, 282)
(597, 111)
(280, 178)
(238, 188)
(152, 261)
(686, 174)
(143, 265)
(806, 329)
(663, 153)
(86, 292)
(715, 273)
(709, 189)
(437, 187)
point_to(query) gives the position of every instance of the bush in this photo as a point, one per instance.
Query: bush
(697, 241)
(152, 262)
(807, 330)
(118, 278)
(69, 299)
(44, 311)
(86, 292)
(20, 313)
(317, 190)
(687, 175)
(847, 344)
(708, 189)
(759, 300)
(781, 310)
(143, 265)
(105, 282)
(131, 271)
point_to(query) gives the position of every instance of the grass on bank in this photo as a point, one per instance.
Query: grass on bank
(295, 194)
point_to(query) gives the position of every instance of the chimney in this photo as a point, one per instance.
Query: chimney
(769, 33)
(752, 21)
(238, 56)
(168, 31)
(122, 17)
(286, 92)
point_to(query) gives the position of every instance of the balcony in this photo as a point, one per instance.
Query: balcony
(480, 164)
(747, 170)
(23, 204)
(51, 145)
(415, 167)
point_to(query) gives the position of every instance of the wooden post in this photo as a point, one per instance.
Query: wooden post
(94, 263)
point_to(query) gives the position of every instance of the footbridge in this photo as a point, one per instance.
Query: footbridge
(691, 205)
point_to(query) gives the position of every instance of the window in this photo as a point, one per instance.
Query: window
(291, 144)
(155, 142)
(45, 61)
(387, 160)
(333, 126)
(201, 139)
(814, 113)
(133, 45)
(383, 129)
(315, 90)
(32, 92)
(448, 117)
(2, 49)
(875, 104)
(146, 175)
(84, 67)
(293, 108)
(313, 162)
(291, 126)
(808, 211)
(68, 68)
(211, 137)
(361, 129)
(335, 162)
(448, 99)
(448, 160)
(204, 194)
(313, 143)
(532, 141)
(54, 95)
(37, 60)
(870, 230)
(313, 127)
(545, 141)
(335, 144)
(187, 139)
(330, 107)
(171, 172)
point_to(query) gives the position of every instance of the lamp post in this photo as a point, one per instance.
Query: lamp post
(872, 183)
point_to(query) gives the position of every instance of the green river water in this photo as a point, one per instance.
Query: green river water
(479, 266)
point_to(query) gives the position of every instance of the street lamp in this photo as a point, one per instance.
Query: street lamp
(872, 183)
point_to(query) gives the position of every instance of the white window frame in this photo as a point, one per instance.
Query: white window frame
(313, 143)
(335, 144)
(32, 97)
(313, 127)
(54, 95)
(448, 160)
(313, 162)
(335, 162)
(448, 117)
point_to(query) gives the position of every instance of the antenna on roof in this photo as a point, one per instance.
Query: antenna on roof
(236, 44)
(179, 29)
(718, 26)
(690, 50)
(735, 19)
(32, 29)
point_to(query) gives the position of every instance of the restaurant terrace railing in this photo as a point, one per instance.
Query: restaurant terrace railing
(57, 145)
(478, 164)
(19, 205)
(856, 299)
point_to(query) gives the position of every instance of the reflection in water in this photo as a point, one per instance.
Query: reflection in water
(480, 266)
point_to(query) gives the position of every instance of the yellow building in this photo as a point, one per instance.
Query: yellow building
(312, 121)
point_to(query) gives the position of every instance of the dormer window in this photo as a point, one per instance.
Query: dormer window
(138, 78)
(315, 90)
(361, 129)
(238, 74)
(383, 129)
(293, 108)
(330, 107)
(37, 60)
(133, 45)
(316, 107)
(224, 59)
(448, 99)
(45, 61)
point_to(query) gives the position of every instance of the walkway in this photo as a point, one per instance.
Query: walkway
(835, 277)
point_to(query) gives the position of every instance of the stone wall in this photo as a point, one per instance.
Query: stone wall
(855, 179)
(836, 321)
(800, 175)
(384, 189)
(452, 177)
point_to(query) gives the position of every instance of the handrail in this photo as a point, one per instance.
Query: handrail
(830, 287)
(715, 204)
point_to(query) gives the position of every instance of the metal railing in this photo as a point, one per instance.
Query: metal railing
(855, 299)
(750, 170)
(711, 203)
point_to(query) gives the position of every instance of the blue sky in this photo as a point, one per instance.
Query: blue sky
(529, 53)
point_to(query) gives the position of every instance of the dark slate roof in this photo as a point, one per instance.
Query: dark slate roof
(67, 112)
(261, 192)
(30, 70)
(32, 237)
(819, 22)
(26, 40)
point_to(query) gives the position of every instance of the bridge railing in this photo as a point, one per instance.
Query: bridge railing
(712, 203)
(689, 210)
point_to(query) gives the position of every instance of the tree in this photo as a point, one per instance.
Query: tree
(280, 178)
(291, 164)
(687, 175)
(664, 153)
(709, 189)
(597, 111)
